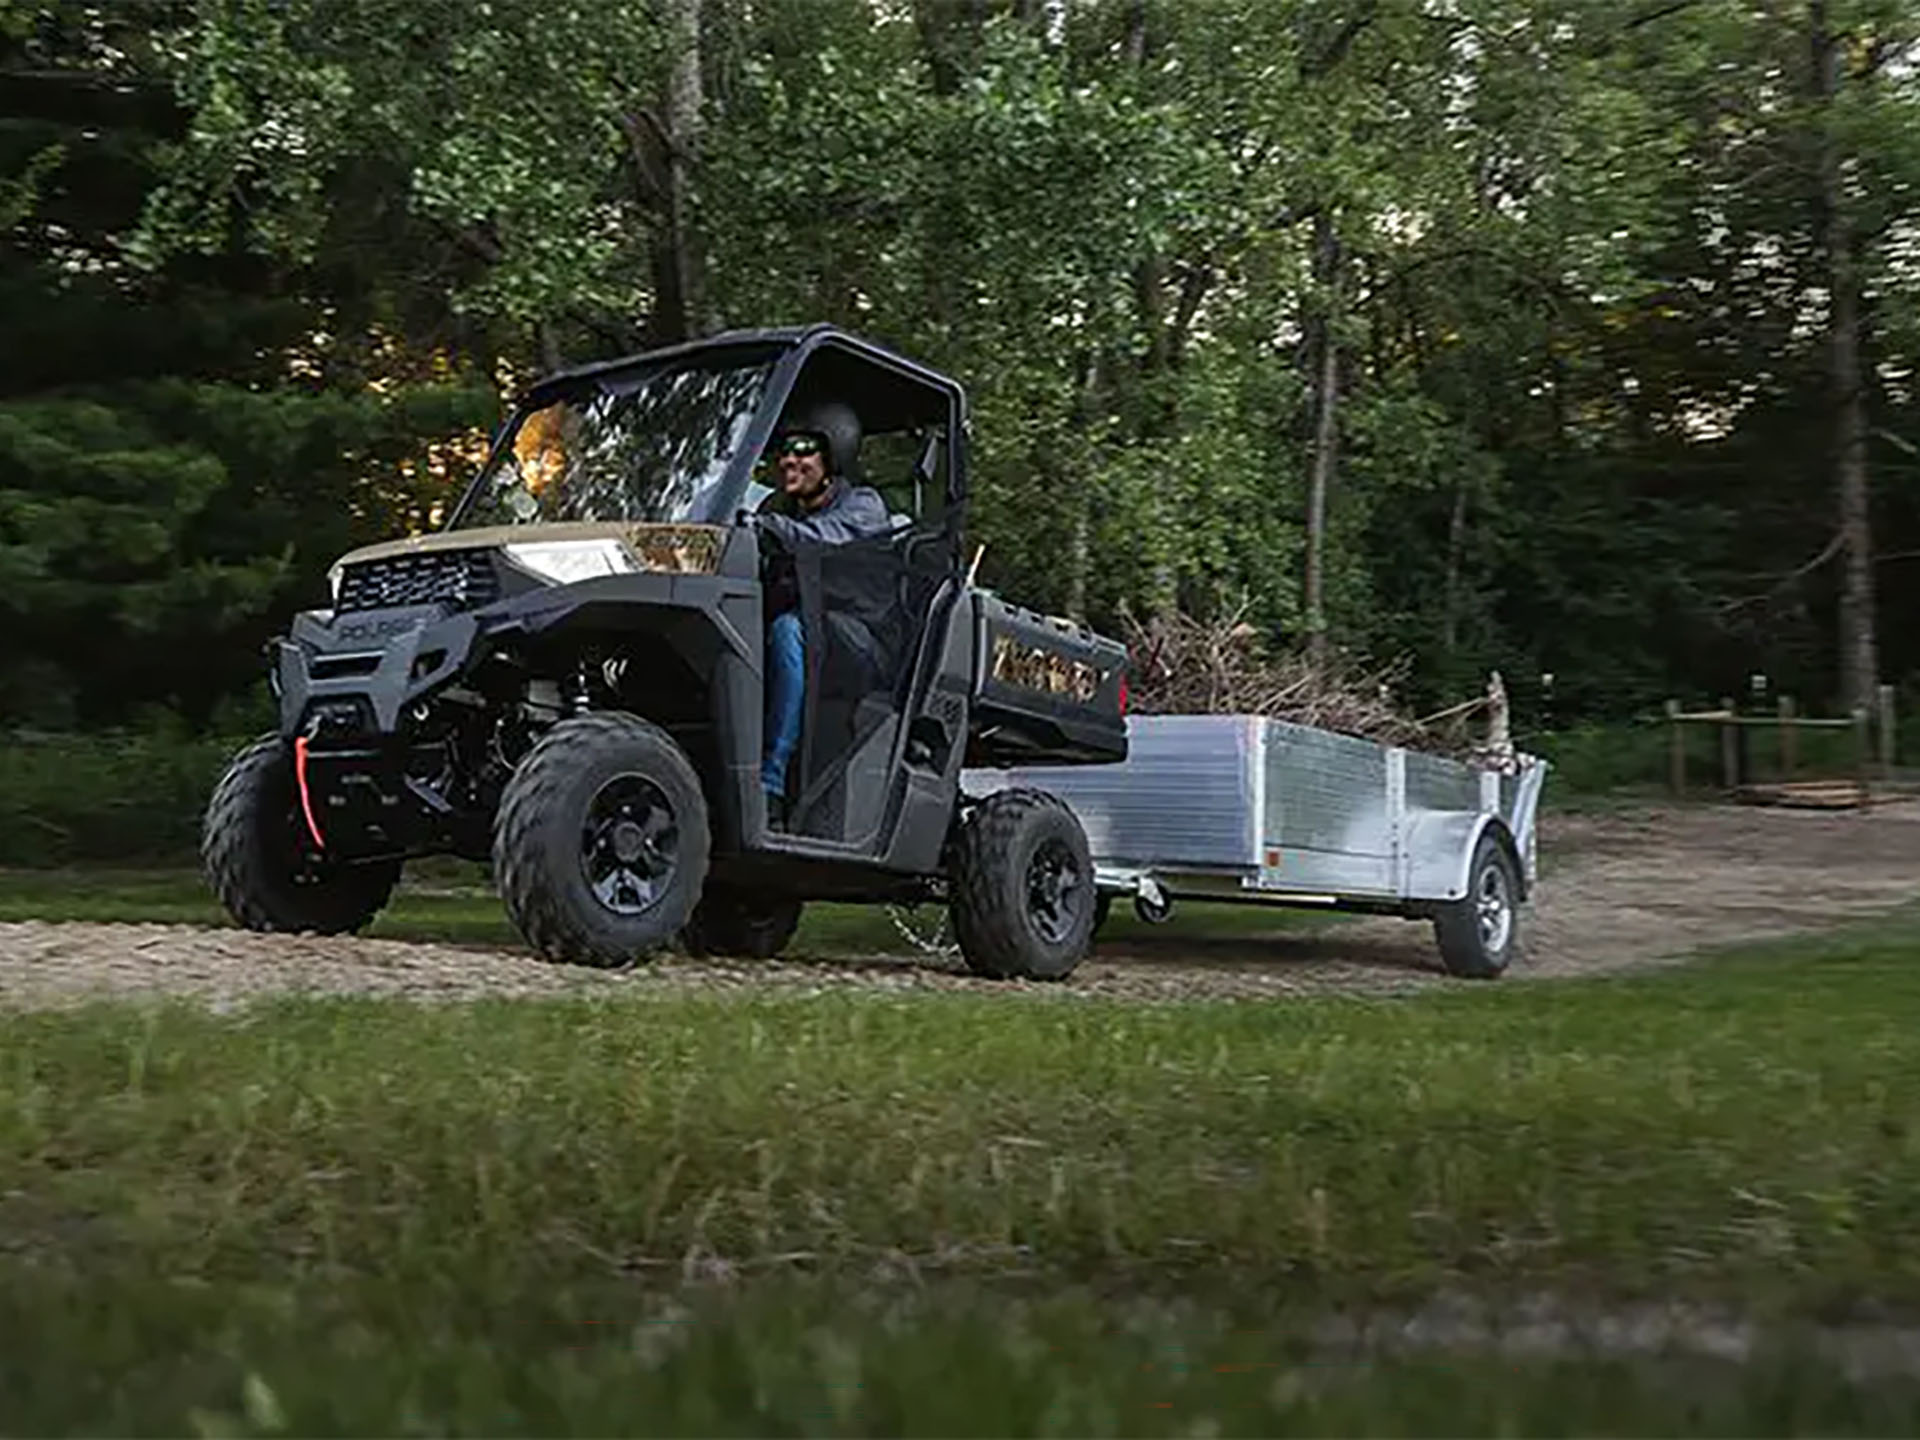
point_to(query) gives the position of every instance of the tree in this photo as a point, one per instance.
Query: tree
(178, 459)
(1501, 332)
(550, 151)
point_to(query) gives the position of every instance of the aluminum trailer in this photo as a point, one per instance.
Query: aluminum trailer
(1245, 809)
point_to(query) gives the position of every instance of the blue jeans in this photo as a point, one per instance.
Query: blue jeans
(786, 694)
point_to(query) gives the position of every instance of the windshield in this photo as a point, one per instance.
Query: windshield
(622, 447)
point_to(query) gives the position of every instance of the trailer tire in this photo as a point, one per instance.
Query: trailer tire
(737, 923)
(601, 844)
(1021, 888)
(1479, 934)
(255, 862)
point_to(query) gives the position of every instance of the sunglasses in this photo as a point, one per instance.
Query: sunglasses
(801, 445)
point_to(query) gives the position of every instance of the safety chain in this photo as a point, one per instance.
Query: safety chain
(932, 943)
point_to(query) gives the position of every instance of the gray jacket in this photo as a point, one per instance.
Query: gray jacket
(852, 512)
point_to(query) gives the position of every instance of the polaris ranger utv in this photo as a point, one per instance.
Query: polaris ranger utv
(567, 679)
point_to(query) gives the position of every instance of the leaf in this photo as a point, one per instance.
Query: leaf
(262, 1405)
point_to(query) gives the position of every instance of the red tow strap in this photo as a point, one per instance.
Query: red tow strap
(306, 800)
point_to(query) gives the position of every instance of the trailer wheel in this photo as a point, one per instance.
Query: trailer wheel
(1022, 891)
(256, 860)
(735, 922)
(600, 847)
(1479, 934)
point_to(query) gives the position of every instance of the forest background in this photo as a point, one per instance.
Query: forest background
(1572, 338)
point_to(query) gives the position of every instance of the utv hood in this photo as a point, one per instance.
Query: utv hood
(672, 548)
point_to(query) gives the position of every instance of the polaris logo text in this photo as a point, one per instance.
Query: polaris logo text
(375, 629)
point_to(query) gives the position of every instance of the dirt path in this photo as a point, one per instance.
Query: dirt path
(1618, 891)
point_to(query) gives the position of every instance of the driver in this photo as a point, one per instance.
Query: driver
(819, 500)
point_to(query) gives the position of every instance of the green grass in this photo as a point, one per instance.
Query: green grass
(854, 1213)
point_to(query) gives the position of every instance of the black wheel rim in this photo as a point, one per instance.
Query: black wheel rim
(630, 844)
(1056, 892)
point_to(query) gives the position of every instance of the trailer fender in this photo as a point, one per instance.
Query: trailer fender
(1437, 853)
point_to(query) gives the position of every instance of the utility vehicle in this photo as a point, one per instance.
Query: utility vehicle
(566, 679)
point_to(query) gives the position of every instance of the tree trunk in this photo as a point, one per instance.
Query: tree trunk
(1859, 658)
(1079, 556)
(1086, 402)
(1326, 264)
(678, 264)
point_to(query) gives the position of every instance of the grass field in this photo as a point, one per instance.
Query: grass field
(879, 1214)
(450, 901)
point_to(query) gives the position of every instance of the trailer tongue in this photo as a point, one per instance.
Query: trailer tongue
(1245, 809)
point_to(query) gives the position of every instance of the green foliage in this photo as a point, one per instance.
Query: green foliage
(1576, 286)
(1600, 759)
(502, 126)
(182, 453)
(147, 544)
(19, 194)
(108, 797)
(94, 562)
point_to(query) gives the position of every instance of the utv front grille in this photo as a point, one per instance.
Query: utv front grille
(464, 579)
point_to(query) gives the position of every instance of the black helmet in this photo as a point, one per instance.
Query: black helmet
(841, 429)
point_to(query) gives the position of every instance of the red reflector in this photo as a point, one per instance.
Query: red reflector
(1123, 691)
(306, 801)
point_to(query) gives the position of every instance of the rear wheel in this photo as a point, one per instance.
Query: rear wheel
(736, 922)
(258, 861)
(1479, 934)
(1021, 888)
(600, 847)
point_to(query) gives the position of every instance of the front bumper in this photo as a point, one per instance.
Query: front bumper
(369, 783)
(356, 675)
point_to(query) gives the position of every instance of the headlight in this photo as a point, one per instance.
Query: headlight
(565, 561)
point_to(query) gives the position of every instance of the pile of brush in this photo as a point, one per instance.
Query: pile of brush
(1178, 665)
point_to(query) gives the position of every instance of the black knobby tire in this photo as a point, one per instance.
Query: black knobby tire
(263, 871)
(728, 921)
(601, 842)
(1021, 888)
(1479, 934)
(1102, 911)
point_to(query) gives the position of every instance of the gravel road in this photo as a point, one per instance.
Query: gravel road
(1618, 891)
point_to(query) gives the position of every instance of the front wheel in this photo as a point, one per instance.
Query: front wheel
(1479, 934)
(264, 872)
(600, 846)
(1021, 888)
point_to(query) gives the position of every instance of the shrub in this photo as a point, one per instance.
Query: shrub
(105, 797)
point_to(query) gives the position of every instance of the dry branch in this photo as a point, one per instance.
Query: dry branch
(1179, 665)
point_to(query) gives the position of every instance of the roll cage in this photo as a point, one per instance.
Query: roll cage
(888, 391)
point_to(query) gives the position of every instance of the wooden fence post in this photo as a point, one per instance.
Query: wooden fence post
(1862, 752)
(1729, 746)
(1789, 738)
(1888, 731)
(1676, 750)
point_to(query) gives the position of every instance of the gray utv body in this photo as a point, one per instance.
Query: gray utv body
(459, 672)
